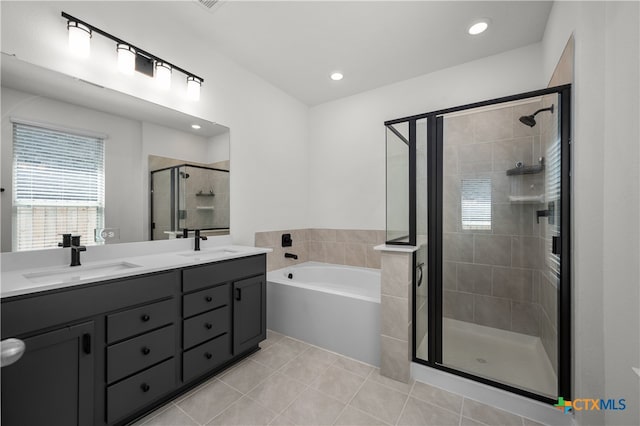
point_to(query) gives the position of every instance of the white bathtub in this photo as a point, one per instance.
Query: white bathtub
(332, 306)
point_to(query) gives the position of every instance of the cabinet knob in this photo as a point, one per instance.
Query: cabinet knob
(208, 325)
(208, 298)
(146, 351)
(208, 355)
(145, 317)
(145, 387)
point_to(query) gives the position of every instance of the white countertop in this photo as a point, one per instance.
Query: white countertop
(14, 282)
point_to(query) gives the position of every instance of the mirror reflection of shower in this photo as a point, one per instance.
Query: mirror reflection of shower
(189, 196)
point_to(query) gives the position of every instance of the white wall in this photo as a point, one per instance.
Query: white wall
(268, 127)
(606, 212)
(347, 136)
(122, 157)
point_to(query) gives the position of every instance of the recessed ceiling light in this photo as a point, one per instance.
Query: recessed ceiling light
(195, 126)
(336, 76)
(479, 27)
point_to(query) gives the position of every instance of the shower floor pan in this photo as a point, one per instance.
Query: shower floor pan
(504, 356)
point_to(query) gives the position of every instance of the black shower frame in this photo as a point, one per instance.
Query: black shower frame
(173, 190)
(434, 238)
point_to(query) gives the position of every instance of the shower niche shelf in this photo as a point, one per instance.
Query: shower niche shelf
(521, 169)
(526, 199)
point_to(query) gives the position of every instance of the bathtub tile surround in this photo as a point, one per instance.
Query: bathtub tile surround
(342, 392)
(395, 308)
(353, 247)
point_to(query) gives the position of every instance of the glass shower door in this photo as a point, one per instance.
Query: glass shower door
(501, 215)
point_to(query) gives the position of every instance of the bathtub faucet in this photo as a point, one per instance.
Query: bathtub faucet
(291, 256)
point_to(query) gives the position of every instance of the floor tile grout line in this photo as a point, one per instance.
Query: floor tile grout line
(406, 401)
(187, 414)
(460, 413)
(348, 404)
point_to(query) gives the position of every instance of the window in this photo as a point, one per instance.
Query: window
(476, 204)
(58, 186)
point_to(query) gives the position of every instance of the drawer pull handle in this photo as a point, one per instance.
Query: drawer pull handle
(145, 318)
(146, 351)
(208, 326)
(145, 387)
(208, 298)
(208, 355)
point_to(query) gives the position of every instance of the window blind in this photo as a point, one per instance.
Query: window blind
(58, 186)
(553, 190)
(476, 203)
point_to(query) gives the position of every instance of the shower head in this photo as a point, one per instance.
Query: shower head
(184, 175)
(530, 120)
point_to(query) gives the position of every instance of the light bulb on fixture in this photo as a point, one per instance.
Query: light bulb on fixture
(336, 76)
(79, 39)
(193, 88)
(478, 27)
(163, 75)
(126, 59)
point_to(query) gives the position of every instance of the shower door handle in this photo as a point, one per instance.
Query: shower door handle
(556, 245)
(419, 267)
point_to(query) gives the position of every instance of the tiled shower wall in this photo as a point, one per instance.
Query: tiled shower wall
(338, 246)
(490, 276)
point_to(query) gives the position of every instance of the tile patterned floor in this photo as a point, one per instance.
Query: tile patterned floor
(290, 382)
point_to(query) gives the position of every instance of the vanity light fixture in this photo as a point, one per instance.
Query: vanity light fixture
(130, 57)
(478, 27)
(336, 76)
(126, 59)
(163, 75)
(79, 38)
(193, 88)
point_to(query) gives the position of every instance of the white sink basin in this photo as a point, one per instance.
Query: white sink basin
(211, 253)
(77, 273)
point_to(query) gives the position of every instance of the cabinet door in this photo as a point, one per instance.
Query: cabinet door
(52, 384)
(249, 313)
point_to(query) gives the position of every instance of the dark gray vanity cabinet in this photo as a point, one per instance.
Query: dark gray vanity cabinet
(108, 352)
(214, 317)
(52, 384)
(249, 313)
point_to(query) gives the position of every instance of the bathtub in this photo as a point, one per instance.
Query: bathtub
(335, 307)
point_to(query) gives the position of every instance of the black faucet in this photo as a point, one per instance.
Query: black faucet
(76, 248)
(66, 241)
(291, 256)
(198, 238)
(185, 233)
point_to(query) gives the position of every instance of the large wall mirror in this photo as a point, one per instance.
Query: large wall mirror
(77, 157)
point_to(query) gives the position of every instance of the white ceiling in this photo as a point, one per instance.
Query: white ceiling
(295, 45)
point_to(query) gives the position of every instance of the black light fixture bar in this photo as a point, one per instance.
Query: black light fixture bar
(137, 49)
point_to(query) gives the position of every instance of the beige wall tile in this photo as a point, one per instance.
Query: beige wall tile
(526, 252)
(373, 258)
(449, 276)
(317, 251)
(355, 254)
(334, 252)
(513, 219)
(475, 158)
(356, 236)
(394, 358)
(458, 130)
(394, 315)
(474, 278)
(493, 125)
(457, 305)
(524, 318)
(513, 283)
(457, 247)
(321, 234)
(395, 274)
(492, 312)
(492, 250)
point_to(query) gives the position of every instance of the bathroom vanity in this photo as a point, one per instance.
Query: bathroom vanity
(107, 351)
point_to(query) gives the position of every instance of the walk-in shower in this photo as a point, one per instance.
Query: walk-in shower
(188, 196)
(485, 198)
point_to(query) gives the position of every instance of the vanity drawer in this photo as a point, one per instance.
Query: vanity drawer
(200, 277)
(138, 320)
(206, 326)
(205, 300)
(206, 357)
(129, 395)
(140, 352)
